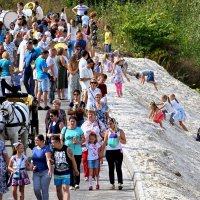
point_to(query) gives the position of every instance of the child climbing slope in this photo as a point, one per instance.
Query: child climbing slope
(117, 78)
(179, 115)
(149, 77)
(156, 114)
(167, 107)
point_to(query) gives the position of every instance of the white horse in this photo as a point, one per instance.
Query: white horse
(14, 122)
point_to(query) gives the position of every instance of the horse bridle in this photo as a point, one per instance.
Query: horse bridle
(8, 121)
(3, 110)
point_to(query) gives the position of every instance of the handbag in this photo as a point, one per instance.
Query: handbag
(8, 174)
(17, 173)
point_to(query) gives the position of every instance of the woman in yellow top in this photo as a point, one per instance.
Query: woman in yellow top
(108, 38)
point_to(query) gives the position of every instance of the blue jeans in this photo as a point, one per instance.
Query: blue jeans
(52, 89)
(80, 122)
(41, 181)
(28, 81)
(71, 49)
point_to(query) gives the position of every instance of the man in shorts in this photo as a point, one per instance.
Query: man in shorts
(42, 78)
(79, 11)
(64, 161)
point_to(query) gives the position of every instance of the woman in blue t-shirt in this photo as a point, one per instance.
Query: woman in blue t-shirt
(7, 69)
(2, 32)
(73, 137)
(42, 173)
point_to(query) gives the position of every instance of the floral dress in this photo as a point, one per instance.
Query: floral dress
(93, 32)
(118, 75)
(100, 112)
(3, 169)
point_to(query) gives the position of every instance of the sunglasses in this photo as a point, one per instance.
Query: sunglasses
(93, 82)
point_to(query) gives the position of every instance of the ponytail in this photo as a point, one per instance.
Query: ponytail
(169, 101)
(176, 100)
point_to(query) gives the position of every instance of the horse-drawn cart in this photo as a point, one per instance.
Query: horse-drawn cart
(19, 119)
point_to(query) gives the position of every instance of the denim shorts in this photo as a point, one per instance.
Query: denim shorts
(108, 48)
(150, 77)
(58, 181)
(43, 85)
(93, 164)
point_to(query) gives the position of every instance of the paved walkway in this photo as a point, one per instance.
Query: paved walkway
(104, 193)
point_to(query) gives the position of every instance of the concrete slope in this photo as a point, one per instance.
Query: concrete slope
(168, 160)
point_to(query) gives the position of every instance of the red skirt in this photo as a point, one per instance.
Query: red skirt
(159, 117)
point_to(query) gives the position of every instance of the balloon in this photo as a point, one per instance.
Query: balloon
(28, 12)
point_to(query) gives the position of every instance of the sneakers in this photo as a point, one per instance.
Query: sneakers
(71, 188)
(40, 108)
(46, 108)
(120, 186)
(90, 188)
(86, 178)
(112, 187)
(77, 187)
(97, 187)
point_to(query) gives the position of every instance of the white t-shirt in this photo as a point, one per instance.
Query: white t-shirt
(93, 151)
(81, 9)
(72, 30)
(19, 163)
(85, 20)
(169, 107)
(82, 63)
(52, 61)
(43, 45)
(91, 96)
(39, 13)
(107, 66)
(22, 52)
(85, 73)
(38, 35)
(63, 16)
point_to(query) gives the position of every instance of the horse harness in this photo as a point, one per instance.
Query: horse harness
(16, 124)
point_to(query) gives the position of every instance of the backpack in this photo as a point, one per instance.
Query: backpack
(113, 139)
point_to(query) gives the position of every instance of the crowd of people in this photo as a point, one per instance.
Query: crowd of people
(55, 58)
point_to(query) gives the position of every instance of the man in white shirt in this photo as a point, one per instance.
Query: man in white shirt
(39, 11)
(79, 11)
(53, 73)
(43, 43)
(86, 74)
(83, 60)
